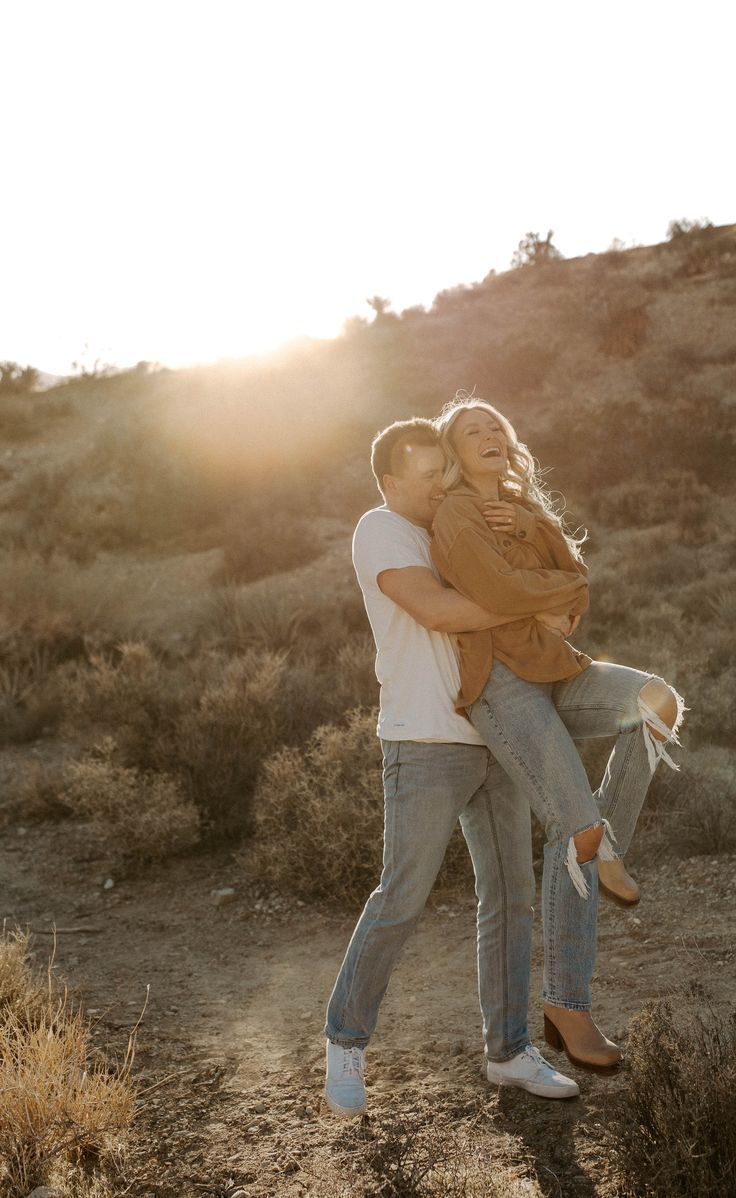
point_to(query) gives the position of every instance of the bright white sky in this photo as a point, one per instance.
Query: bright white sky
(189, 180)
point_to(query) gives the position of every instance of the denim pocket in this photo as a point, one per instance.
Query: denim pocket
(390, 768)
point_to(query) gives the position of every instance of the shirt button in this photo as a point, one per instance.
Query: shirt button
(507, 542)
(522, 533)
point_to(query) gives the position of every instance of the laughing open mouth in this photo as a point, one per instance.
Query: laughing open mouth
(493, 452)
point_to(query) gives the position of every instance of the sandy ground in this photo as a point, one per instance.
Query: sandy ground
(230, 1050)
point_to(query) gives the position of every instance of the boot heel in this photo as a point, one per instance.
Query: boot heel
(552, 1036)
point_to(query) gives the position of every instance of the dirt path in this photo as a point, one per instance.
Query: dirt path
(232, 1035)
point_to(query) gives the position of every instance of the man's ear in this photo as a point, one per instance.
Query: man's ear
(389, 485)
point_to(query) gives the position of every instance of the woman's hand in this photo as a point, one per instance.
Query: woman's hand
(561, 625)
(501, 517)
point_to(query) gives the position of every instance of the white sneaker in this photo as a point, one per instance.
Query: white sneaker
(529, 1071)
(344, 1085)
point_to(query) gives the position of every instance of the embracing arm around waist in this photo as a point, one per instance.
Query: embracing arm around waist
(434, 606)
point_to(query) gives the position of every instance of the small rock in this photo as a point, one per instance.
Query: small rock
(260, 1108)
(109, 883)
(220, 898)
(45, 1192)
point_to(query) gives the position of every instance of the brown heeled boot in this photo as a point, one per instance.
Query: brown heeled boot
(575, 1034)
(616, 884)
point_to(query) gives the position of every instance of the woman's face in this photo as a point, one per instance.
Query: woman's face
(480, 444)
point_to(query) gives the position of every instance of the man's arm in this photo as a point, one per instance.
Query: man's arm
(434, 606)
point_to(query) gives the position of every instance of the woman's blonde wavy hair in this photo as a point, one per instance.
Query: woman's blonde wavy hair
(522, 477)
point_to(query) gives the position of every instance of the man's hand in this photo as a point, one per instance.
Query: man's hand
(501, 516)
(563, 626)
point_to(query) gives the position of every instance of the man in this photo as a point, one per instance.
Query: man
(436, 771)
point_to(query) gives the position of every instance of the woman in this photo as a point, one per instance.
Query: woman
(528, 692)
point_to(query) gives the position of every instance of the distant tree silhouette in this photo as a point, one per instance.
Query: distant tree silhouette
(379, 305)
(17, 380)
(681, 228)
(535, 251)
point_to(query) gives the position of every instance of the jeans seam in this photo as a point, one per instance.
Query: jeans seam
(504, 916)
(541, 795)
(612, 804)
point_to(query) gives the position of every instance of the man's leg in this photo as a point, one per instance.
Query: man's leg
(497, 827)
(426, 786)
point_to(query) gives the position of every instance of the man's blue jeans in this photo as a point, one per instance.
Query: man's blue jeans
(427, 788)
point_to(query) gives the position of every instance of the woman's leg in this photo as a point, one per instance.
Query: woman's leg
(644, 713)
(521, 727)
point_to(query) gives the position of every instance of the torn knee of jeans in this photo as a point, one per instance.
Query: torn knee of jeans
(664, 700)
(593, 841)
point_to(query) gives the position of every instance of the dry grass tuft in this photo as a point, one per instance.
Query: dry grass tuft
(64, 1113)
(678, 1138)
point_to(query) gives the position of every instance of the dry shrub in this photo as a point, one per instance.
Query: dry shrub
(675, 495)
(267, 540)
(145, 815)
(678, 1132)
(308, 807)
(239, 619)
(701, 799)
(222, 739)
(318, 817)
(64, 1113)
(37, 795)
(29, 697)
(209, 722)
(413, 1156)
(21, 995)
(54, 607)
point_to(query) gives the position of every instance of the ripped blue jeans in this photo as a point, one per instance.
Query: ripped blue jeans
(529, 727)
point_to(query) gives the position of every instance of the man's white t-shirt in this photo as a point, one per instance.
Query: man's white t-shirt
(417, 668)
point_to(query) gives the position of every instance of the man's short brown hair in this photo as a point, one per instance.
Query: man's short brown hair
(390, 445)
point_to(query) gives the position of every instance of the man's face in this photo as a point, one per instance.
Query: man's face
(416, 492)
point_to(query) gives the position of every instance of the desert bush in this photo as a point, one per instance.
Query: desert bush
(309, 803)
(129, 692)
(308, 806)
(410, 1156)
(36, 795)
(239, 619)
(210, 722)
(146, 816)
(29, 699)
(221, 740)
(697, 803)
(678, 1130)
(54, 609)
(64, 1112)
(637, 503)
(262, 540)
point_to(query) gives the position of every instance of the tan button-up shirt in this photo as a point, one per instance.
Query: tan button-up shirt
(529, 571)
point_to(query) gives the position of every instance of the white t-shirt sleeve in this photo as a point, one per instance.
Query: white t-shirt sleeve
(382, 542)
